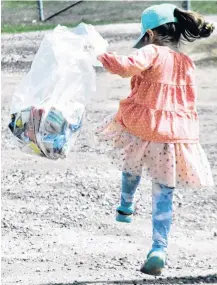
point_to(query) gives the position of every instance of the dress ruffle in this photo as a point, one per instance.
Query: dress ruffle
(158, 125)
(179, 165)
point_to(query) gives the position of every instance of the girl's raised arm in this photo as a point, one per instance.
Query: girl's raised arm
(127, 66)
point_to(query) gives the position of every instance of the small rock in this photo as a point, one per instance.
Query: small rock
(38, 269)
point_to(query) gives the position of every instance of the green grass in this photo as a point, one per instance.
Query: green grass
(88, 11)
(19, 3)
(13, 29)
(204, 7)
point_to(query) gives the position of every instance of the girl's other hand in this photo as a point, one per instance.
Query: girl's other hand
(99, 57)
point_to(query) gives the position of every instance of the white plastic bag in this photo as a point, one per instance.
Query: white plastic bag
(95, 44)
(48, 106)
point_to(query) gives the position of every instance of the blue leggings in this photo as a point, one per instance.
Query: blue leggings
(162, 200)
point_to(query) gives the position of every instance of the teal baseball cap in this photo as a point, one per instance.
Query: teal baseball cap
(154, 17)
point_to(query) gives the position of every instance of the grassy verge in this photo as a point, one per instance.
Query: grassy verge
(19, 4)
(17, 16)
(12, 29)
(204, 7)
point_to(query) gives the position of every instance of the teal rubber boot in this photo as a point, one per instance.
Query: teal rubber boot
(124, 214)
(155, 262)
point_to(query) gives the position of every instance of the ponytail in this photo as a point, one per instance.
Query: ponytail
(192, 25)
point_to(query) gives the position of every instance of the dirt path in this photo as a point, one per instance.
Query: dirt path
(58, 217)
(18, 50)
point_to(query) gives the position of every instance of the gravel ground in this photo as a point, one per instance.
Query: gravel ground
(58, 218)
(18, 50)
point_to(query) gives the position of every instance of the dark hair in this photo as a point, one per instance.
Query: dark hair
(190, 26)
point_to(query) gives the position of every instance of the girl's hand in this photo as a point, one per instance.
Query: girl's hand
(99, 57)
(103, 59)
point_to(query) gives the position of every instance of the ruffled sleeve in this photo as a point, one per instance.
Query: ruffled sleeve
(128, 66)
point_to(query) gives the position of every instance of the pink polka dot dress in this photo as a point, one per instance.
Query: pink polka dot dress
(156, 130)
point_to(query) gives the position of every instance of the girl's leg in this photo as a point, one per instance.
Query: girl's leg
(162, 202)
(162, 211)
(129, 185)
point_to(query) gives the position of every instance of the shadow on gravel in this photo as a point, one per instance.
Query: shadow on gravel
(209, 279)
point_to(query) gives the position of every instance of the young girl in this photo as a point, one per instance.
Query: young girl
(156, 128)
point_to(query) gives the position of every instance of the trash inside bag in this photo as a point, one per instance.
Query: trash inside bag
(48, 106)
